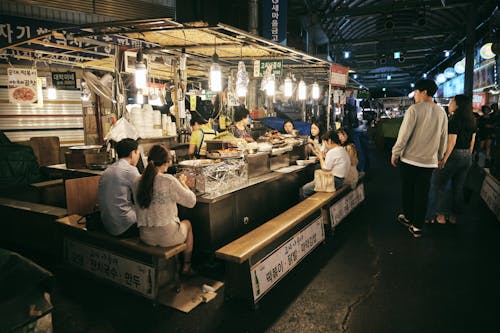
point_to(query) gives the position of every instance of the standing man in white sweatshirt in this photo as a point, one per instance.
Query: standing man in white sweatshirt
(421, 144)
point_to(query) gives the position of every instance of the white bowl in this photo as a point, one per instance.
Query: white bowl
(313, 158)
(301, 162)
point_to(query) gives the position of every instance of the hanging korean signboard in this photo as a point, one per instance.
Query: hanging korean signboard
(260, 67)
(338, 76)
(274, 19)
(64, 80)
(22, 85)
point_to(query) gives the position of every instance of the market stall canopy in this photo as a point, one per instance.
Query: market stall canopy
(162, 40)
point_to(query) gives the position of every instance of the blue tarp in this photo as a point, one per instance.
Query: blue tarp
(277, 123)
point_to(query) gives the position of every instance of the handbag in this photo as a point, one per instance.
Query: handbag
(324, 181)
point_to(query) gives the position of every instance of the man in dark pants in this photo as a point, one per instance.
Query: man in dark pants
(421, 144)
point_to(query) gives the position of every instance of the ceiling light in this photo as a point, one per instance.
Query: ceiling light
(460, 66)
(449, 73)
(270, 86)
(446, 53)
(315, 90)
(383, 89)
(215, 75)
(412, 85)
(440, 78)
(425, 75)
(397, 55)
(389, 76)
(140, 97)
(302, 91)
(347, 54)
(288, 87)
(355, 76)
(486, 52)
(141, 72)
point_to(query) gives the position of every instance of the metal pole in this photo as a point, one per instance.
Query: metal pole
(328, 107)
(469, 52)
(253, 16)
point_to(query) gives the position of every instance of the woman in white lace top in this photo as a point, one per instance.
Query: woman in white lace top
(157, 197)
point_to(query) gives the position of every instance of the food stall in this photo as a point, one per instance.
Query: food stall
(239, 188)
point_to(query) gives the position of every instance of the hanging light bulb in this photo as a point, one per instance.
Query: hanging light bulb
(140, 97)
(270, 86)
(242, 80)
(389, 76)
(288, 87)
(141, 72)
(315, 90)
(215, 75)
(302, 91)
(51, 93)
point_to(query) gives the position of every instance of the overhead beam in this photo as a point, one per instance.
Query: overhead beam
(393, 6)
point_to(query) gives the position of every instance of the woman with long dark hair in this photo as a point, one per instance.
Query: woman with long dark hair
(457, 159)
(157, 197)
(315, 139)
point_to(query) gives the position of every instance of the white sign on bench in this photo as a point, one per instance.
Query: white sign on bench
(126, 272)
(268, 271)
(490, 193)
(342, 208)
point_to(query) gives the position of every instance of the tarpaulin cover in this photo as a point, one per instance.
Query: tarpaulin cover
(18, 166)
(277, 123)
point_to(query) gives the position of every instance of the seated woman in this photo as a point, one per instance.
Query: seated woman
(336, 160)
(239, 129)
(288, 127)
(315, 139)
(157, 196)
(346, 142)
(201, 131)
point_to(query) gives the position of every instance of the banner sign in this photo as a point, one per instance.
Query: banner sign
(342, 208)
(123, 271)
(260, 67)
(490, 193)
(64, 80)
(22, 85)
(338, 76)
(267, 272)
(15, 29)
(274, 20)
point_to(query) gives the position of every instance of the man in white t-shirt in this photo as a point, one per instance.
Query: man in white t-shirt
(336, 160)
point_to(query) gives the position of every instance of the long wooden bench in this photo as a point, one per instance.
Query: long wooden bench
(30, 226)
(127, 262)
(257, 261)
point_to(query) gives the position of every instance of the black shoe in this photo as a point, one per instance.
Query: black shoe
(416, 232)
(403, 220)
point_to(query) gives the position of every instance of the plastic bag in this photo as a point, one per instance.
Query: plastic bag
(122, 129)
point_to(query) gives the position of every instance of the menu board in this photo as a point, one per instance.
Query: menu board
(338, 76)
(22, 85)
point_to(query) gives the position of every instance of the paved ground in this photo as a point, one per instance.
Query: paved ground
(372, 276)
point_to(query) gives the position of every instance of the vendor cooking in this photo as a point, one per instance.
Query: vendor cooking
(240, 127)
(201, 132)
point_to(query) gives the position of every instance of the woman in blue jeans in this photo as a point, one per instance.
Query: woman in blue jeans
(457, 159)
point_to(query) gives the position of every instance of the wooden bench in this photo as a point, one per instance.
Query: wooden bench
(126, 262)
(257, 261)
(30, 226)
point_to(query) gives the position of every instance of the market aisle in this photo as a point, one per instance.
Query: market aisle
(371, 277)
